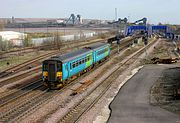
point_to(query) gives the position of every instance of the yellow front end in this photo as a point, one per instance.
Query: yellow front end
(59, 79)
(59, 76)
(45, 74)
(45, 77)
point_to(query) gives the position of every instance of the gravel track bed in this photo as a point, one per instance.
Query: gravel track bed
(22, 104)
(62, 101)
(20, 93)
(101, 112)
(21, 99)
(27, 73)
(71, 91)
(10, 114)
(89, 101)
(57, 101)
(37, 61)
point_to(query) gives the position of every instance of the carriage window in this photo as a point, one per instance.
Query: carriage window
(83, 60)
(74, 65)
(101, 51)
(80, 62)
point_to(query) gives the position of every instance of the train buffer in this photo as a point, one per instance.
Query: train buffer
(81, 88)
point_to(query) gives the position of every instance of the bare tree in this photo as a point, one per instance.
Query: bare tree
(57, 41)
(1, 25)
(27, 41)
(3, 45)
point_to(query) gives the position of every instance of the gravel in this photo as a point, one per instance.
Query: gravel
(55, 109)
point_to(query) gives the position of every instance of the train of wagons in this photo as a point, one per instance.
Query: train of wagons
(59, 70)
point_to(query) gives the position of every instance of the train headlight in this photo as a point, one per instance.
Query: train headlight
(45, 74)
(59, 75)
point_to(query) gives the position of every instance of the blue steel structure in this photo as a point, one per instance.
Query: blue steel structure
(165, 29)
(153, 29)
(58, 69)
(150, 30)
(131, 29)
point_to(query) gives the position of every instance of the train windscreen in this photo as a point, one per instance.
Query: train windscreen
(52, 72)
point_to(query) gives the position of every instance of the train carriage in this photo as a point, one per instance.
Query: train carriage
(100, 51)
(58, 69)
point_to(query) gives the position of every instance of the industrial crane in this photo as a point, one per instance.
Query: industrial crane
(143, 21)
(121, 24)
(119, 21)
(74, 20)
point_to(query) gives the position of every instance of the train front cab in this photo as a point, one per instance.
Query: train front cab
(52, 73)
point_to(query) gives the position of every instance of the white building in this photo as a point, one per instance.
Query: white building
(15, 38)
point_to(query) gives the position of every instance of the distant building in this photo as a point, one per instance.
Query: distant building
(16, 38)
(60, 21)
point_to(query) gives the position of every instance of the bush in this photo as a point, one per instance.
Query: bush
(3, 46)
(27, 41)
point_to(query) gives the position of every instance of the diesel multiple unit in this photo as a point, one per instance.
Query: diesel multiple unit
(60, 69)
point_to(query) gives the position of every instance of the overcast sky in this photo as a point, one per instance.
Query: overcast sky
(165, 11)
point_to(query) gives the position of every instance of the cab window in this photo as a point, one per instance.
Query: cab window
(45, 67)
(58, 66)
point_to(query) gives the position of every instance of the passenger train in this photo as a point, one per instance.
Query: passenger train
(59, 70)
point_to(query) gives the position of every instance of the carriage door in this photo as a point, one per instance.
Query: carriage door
(52, 71)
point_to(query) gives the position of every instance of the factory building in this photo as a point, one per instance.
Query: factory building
(15, 38)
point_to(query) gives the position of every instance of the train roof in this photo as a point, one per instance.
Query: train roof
(70, 56)
(97, 46)
(77, 53)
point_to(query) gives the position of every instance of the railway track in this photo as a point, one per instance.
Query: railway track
(13, 95)
(27, 64)
(22, 50)
(41, 47)
(28, 105)
(12, 113)
(26, 73)
(74, 115)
